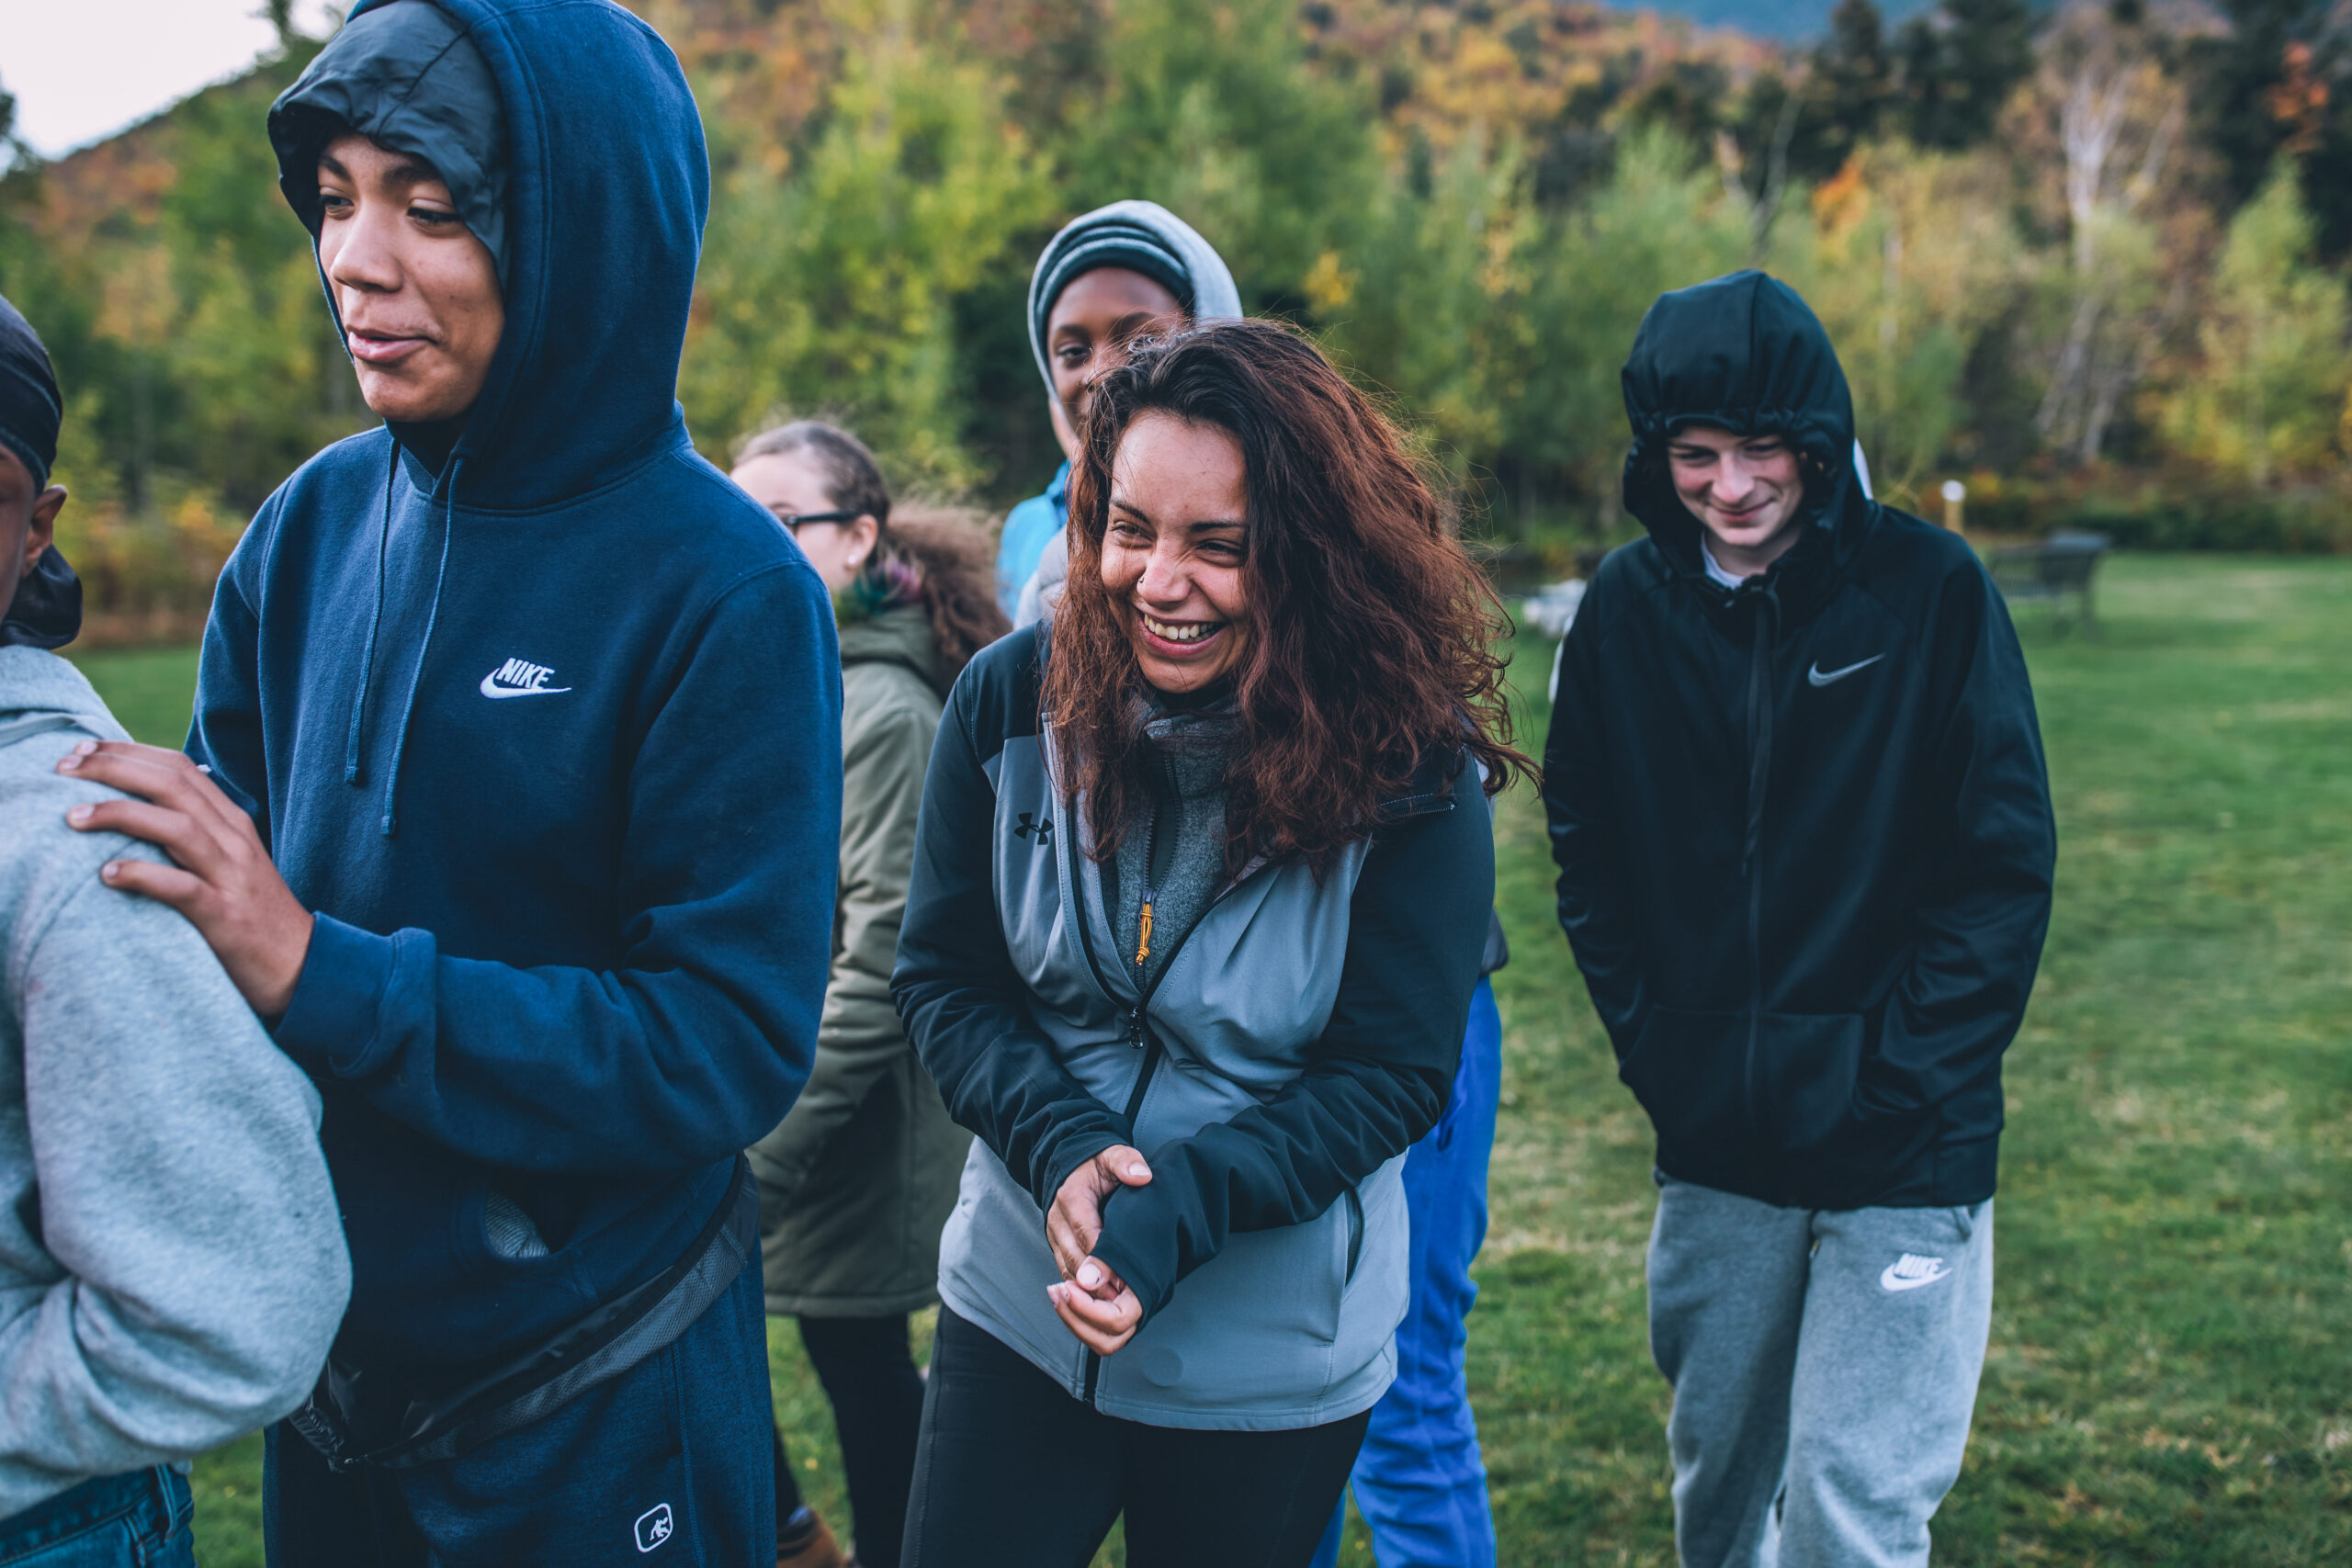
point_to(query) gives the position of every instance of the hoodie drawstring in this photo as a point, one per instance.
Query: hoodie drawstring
(432, 616)
(375, 623)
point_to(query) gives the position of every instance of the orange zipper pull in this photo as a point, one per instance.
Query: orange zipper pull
(1142, 929)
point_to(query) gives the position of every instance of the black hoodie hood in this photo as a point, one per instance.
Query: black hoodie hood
(45, 609)
(1745, 353)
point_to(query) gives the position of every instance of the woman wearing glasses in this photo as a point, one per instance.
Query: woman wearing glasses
(856, 1182)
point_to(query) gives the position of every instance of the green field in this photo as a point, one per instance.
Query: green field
(2170, 1379)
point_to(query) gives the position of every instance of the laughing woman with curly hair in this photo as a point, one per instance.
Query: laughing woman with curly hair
(1198, 904)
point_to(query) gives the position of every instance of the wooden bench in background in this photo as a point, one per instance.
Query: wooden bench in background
(2060, 569)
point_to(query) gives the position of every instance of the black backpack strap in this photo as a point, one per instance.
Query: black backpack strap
(608, 1342)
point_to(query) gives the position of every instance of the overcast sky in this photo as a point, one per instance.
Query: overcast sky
(83, 69)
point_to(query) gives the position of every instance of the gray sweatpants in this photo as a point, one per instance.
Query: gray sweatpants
(1825, 1359)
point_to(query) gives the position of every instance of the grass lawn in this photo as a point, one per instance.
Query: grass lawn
(2170, 1379)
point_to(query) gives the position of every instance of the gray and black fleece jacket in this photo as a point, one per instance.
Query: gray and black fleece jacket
(1298, 1037)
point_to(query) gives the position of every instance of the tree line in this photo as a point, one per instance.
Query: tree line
(2091, 260)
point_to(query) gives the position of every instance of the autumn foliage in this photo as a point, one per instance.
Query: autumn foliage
(2074, 258)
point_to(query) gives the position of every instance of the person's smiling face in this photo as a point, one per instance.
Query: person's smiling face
(418, 292)
(1173, 550)
(1093, 319)
(1745, 489)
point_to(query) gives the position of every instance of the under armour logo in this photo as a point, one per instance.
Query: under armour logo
(1029, 825)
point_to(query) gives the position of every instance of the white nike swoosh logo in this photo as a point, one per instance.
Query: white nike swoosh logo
(490, 688)
(1890, 1281)
(1820, 677)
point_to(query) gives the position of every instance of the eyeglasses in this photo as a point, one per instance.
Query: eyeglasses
(792, 521)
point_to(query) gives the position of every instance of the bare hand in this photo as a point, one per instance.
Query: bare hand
(1092, 1301)
(1075, 1222)
(221, 878)
(1103, 1326)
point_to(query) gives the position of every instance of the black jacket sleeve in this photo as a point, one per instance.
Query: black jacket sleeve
(1978, 928)
(1380, 1078)
(962, 1001)
(1595, 903)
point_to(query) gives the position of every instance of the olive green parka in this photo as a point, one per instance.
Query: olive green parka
(858, 1179)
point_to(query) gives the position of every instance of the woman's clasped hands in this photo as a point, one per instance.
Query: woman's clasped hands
(1093, 1303)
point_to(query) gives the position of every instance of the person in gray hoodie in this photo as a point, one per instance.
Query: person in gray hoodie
(171, 1267)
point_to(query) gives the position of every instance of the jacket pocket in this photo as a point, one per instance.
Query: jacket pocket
(1688, 1070)
(1254, 1329)
(497, 1241)
(1694, 1074)
(1355, 1235)
(1806, 1066)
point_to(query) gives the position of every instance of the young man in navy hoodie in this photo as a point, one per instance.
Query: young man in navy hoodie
(1796, 794)
(519, 729)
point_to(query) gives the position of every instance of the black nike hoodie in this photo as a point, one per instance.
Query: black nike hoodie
(1802, 826)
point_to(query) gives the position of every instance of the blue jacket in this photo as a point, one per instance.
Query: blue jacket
(550, 741)
(1028, 529)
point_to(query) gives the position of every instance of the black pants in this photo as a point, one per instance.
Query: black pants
(876, 1395)
(1013, 1472)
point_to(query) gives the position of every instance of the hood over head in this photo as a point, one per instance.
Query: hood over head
(900, 633)
(1141, 236)
(1743, 353)
(45, 610)
(606, 186)
(32, 410)
(405, 76)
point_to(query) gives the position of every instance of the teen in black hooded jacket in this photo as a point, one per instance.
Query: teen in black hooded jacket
(1806, 845)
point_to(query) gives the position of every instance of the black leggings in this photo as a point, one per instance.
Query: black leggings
(1013, 1472)
(876, 1395)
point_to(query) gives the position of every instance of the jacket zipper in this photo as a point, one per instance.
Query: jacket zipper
(1139, 1033)
(1150, 895)
(1760, 771)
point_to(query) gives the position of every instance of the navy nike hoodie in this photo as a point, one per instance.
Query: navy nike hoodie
(1804, 825)
(548, 736)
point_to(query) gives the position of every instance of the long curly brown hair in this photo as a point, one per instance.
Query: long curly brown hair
(1370, 654)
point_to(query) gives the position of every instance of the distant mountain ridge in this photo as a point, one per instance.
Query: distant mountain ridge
(1784, 21)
